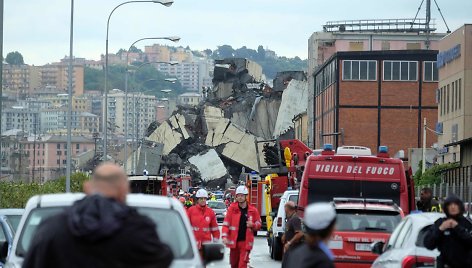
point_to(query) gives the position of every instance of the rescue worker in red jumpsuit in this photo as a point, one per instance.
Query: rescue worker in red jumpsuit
(203, 220)
(241, 221)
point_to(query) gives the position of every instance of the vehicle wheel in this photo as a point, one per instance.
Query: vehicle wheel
(271, 252)
(277, 249)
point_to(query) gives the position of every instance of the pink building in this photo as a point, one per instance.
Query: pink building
(46, 156)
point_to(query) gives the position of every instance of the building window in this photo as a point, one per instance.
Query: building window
(400, 70)
(430, 71)
(64, 161)
(460, 93)
(447, 99)
(453, 97)
(77, 146)
(58, 146)
(360, 70)
(58, 161)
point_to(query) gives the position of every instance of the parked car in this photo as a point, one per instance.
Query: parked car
(219, 208)
(13, 215)
(359, 223)
(6, 238)
(405, 247)
(169, 215)
(274, 235)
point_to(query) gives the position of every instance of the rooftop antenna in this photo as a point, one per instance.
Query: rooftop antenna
(428, 20)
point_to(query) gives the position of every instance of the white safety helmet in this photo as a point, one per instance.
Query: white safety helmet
(242, 190)
(202, 193)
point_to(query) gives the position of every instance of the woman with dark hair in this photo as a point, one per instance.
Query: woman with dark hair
(319, 221)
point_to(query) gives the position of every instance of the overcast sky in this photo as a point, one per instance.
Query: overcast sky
(39, 29)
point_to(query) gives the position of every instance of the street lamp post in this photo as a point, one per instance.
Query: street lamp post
(166, 3)
(69, 110)
(171, 38)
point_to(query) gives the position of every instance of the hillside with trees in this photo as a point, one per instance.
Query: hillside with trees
(269, 61)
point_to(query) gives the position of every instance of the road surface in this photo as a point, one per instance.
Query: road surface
(259, 255)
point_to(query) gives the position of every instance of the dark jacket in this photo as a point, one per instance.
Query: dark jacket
(429, 206)
(97, 232)
(306, 256)
(454, 244)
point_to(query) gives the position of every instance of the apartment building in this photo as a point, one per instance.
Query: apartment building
(189, 98)
(46, 156)
(56, 74)
(157, 52)
(141, 112)
(191, 75)
(373, 98)
(20, 80)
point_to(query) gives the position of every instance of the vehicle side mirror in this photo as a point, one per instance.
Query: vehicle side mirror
(377, 247)
(213, 252)
(273, 214)
(3, 251)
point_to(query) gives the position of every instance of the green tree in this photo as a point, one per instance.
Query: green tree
(224, 51)
(16, 194)
(14, 58)
(432, 175)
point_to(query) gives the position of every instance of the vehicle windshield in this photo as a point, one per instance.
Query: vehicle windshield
(14, 221)
(36, 216)
(171, 230)
(217, 205)
(366, 221)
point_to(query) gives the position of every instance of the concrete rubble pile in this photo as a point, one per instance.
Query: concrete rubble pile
(215, 141)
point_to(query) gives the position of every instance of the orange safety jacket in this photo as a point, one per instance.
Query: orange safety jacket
(203, 221)
(231, 225)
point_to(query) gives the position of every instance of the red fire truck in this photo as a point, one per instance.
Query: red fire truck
(167, 185)
(371, 193)
(354, 173)
(284, 162)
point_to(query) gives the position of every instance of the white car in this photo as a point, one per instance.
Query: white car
(169, 215)
(278, 226)
(405, 247)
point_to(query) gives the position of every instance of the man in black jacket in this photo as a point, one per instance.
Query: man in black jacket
(452, 236)
(99, 231)
(319, 221)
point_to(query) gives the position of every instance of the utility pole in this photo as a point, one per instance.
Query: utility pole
(423, 164)
(1, 82)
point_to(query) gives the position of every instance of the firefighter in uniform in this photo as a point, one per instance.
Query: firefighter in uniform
(203, 220)
(241, 221)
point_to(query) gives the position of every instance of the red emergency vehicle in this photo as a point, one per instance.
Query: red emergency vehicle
(370, 193)
(283, 161)
(353, 172)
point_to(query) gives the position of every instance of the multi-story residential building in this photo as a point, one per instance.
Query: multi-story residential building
(54, 121)
(192, 75)
(56, 74)
(79, 103)
(21, 117)
(189, 98)
(12, 157)
(181, 55)
(157, 52)
(373, 98)
(455, 98)
(46, 156)
(21, 80)
(141, 112)
(366, 35)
